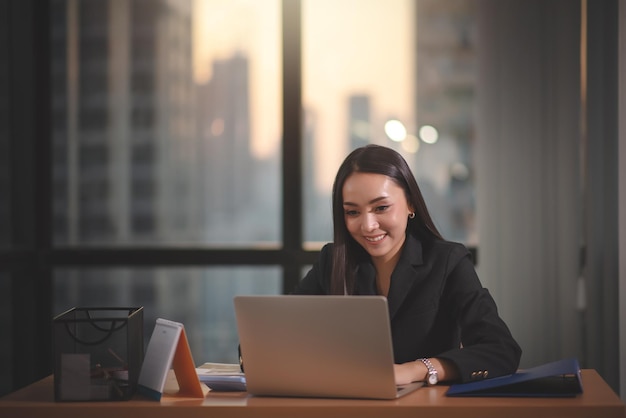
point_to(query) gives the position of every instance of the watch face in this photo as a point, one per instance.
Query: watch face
(432, 378)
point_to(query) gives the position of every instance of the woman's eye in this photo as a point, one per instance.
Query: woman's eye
(351, 212)
(382, 208)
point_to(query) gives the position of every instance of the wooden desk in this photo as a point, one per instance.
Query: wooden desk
(597, 401)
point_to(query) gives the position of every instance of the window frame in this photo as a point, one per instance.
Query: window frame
(32, 258)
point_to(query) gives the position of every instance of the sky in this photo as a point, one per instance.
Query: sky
(349, 47)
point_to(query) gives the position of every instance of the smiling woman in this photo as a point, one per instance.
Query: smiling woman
(445, 324)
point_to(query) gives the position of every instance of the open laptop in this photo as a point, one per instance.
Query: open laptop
(317, 346)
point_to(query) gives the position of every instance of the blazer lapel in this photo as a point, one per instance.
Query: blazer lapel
(366, 279)
(404, 275)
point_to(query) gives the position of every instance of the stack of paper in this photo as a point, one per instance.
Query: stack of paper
(222, 376)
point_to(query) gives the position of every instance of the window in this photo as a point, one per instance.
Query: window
(167, 177)
(398, 74)
(169, 132)
(200, 298)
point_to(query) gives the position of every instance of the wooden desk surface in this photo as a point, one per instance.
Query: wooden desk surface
(597, 401)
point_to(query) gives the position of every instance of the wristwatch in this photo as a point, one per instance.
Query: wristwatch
(431, 377)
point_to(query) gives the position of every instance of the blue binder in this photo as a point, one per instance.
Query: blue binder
(557, 379)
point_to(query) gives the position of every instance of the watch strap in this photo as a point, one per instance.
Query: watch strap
(430, 367)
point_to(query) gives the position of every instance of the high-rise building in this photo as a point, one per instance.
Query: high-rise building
(123, 143)
(223, 118)
(359, 124)
(123, 121)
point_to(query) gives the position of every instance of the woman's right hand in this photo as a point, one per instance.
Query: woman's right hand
(412, 371)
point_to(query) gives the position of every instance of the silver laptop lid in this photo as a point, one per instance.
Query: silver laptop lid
(316, 346)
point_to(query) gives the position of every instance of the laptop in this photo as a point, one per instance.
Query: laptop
(317, 346)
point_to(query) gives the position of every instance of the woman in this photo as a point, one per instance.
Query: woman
(445, 325)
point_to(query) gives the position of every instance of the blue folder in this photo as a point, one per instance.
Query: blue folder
(557, 379)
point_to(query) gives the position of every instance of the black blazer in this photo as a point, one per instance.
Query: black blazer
(437, 307)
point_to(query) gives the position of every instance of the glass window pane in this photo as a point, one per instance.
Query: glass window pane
(167, 122)
(406, 61)
(201, 299)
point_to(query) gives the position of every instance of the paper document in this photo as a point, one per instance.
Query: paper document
(219, 369)
(222, 376)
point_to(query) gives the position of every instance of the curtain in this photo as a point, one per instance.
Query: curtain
(537, 220)
(547, 176)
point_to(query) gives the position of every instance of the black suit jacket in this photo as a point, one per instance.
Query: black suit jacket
(437, 307)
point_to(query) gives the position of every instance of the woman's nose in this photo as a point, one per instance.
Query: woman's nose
(369, 222)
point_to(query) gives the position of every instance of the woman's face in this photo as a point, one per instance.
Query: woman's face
(376, 213)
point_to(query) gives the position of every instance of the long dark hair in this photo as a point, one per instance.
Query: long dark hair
(346, 251)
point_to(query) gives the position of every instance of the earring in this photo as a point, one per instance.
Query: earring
(411, 215)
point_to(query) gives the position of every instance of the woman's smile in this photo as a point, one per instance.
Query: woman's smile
(376, 238)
